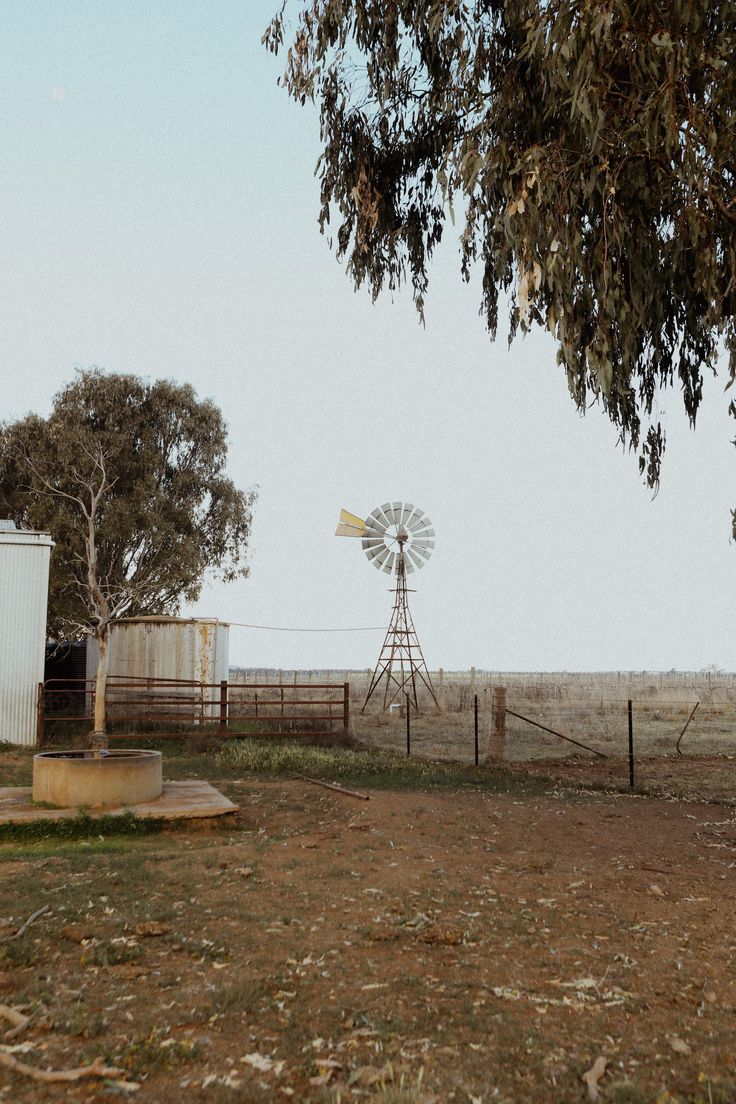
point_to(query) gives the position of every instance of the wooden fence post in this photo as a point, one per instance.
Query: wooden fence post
(223, 705)
(346, 707)
(498, 724)
(40, 710)
(475, 727)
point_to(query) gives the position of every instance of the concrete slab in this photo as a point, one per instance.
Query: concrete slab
(178, 801)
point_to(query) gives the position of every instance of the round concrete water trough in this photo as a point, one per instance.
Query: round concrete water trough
(74, 779)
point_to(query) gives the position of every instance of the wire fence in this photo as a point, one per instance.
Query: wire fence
(649, 729)
(588, 707)
(538, 730)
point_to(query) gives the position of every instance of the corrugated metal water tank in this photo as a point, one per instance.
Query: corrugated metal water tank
(24, 590)
(191, 649)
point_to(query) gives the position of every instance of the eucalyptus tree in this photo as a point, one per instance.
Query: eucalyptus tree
(586, 150)
(129, 478)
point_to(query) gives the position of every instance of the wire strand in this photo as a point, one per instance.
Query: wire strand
(282, 628)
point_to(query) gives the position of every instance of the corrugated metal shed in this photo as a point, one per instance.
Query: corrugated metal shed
(24, 589)
(194, 649)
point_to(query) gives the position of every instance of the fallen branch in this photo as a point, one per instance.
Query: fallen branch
(16, 1018)
(96, 1069)
(592, 1076)
(334, 786)
(34, 916)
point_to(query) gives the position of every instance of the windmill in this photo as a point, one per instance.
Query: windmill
(397, 538)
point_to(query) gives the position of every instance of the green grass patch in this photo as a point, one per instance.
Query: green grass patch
(79, 827)
(373, 768)
(137, 847)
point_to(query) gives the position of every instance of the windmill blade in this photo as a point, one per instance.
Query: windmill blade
(371, 553)
(373, 542)
(409, 566)
(389, 564)
(373, 529)
(406, 513)
(398, 507)
(380, 559)
(420, 533)
(415, 519)
(412, 557)
(387, 511)
(422, 548)
(378, 518)
(421, 526)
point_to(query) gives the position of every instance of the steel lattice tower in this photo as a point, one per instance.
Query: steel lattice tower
(401, 663)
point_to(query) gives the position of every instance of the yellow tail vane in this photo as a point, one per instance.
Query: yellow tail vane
(350, 525)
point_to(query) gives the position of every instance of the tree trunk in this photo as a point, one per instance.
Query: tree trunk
(101, 685)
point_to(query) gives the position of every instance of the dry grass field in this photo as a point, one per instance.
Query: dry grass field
(589, 707)
(472, 935)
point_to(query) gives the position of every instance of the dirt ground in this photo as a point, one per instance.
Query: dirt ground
(476, 944)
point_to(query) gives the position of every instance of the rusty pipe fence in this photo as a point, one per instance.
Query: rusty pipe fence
(169, 708)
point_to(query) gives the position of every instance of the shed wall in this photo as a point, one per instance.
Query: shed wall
(24, 587)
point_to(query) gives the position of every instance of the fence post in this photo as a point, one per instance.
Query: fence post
(441, 690)
(346, 707)
(631, 746)
(498, 724)
(40, 710)
(475, 726)
(223, 705)
(408, 726)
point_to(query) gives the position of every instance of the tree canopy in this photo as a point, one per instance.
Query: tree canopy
(129, 478)
(585, 148)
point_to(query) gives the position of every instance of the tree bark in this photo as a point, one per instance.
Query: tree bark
(101, 684)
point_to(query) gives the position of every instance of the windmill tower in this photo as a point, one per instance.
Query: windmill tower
(397, 538)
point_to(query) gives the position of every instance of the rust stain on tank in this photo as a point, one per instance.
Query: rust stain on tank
(204, 652)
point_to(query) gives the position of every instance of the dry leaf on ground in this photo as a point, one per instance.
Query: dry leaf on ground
(263, 1063)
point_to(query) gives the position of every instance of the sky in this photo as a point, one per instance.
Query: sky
(158, 215)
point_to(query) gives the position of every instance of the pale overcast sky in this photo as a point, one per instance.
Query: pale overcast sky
(158, 216)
